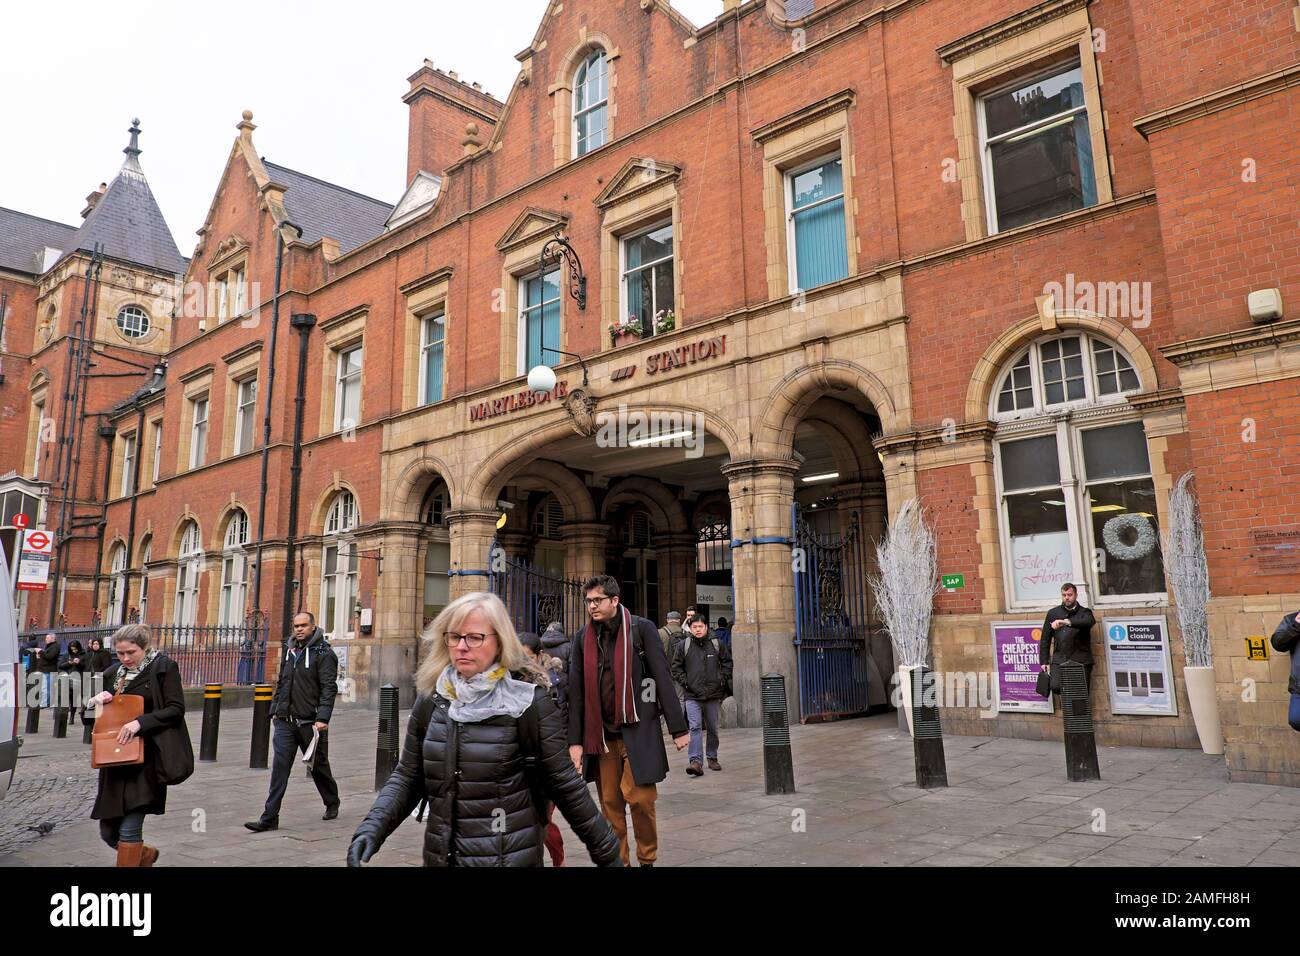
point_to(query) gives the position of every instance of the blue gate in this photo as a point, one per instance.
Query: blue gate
(535, 598)
(832, 620)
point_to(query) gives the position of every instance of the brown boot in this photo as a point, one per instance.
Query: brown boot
(128, 854)
(149, 855)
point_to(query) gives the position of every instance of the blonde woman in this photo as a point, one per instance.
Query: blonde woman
(487, 747)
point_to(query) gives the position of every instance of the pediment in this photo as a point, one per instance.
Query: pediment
(635, 177)
(228, 248)
(531, 224)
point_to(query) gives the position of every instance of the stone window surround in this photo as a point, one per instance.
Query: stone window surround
(238, 370)
(561, 93)
(224, 270)
(197, 387)
(119, 300)
(39, 402)
(984, 61)
(518, 264)
(340, 334)
(427, 296)
(624, 218)
(819, 129)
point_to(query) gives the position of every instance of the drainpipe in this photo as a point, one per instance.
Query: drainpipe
(108, 433)
(266, 421)
(304, 323)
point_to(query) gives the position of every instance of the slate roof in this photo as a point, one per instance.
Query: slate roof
(24, 238)
(323, 209)
(129, 223)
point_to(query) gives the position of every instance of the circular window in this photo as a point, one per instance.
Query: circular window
(132, 322)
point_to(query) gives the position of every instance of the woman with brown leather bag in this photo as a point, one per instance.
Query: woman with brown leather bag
(129, 792)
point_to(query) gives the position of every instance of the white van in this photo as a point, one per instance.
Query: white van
(10, 692)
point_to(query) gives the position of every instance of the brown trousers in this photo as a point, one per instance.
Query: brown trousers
(617, 792)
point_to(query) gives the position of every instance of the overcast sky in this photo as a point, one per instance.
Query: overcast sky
(324, 81)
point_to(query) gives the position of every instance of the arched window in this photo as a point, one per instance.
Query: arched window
(437, 551)
(1076, 497)
(117, 586)
(187, 576)
(146, 555)
(591, 104)
(233, 570)
(339, 563)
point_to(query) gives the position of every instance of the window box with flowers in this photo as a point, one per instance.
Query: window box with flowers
(628, 330)
(665, 321)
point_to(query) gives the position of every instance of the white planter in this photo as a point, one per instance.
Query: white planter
(1205, 707)
(905, 686)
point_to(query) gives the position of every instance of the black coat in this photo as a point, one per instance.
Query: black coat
(100, 660)
(704, 672)
(307, 687)
(136, 787)
(75, 661)
(1072, 642)
(47, 658)
(1287, 638)
(481, 811)
(644, 740)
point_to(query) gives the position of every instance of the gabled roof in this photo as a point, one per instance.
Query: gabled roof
(323, 209)
(127, 221)
(24, 239)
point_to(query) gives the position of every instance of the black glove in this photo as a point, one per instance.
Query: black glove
(363, 847)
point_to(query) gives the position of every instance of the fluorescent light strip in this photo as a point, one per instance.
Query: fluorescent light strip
(660, 439)
(828, 476)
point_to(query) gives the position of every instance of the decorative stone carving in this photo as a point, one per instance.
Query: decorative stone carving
(581, 406)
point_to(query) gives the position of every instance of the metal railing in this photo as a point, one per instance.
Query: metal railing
(205, 653)
(534, 598)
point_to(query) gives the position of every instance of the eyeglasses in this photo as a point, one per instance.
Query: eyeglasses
(592, 602)
(473, 640)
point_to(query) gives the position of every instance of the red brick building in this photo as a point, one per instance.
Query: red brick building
(995, 255)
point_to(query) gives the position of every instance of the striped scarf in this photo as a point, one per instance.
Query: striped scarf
(593, 731)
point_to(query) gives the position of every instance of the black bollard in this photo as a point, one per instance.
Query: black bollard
(1076, 713)
(88, 710)
(262, 694)
(778, 761)
(927, 734)
(33, 703)
(60, 703)
(386, 747)
(211, 722)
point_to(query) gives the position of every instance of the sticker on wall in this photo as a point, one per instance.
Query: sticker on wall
(1257, 648)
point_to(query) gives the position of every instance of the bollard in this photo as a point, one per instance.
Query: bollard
(60, 703)
(88, 712)
(1076, 716)
(778, 762)
(33, 703)
(927, 734)
(211, 722)
(262, 694)
(386, 748)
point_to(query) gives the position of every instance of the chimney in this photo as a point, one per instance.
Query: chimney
(441, 106)
(93, 199)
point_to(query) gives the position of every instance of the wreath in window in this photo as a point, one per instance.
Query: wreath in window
(1144, 541)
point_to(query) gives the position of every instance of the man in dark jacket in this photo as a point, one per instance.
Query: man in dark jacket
(1287, 638)
(702, 665)
(1067, 633)
(302, 706)
(619, 684)
(47, 664)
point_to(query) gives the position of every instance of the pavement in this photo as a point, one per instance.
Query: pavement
(856, 804)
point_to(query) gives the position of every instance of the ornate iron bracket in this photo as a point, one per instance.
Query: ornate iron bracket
(560, 246)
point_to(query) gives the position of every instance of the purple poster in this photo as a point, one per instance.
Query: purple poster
(1015, 660)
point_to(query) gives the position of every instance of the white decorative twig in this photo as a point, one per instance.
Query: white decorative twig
(906, 583)
(1189, 575)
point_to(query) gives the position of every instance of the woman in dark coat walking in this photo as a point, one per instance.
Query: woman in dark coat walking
(483, 714)
(101, 659)
(129, 793)
(75, 663)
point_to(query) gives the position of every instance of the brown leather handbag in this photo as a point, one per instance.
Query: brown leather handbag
(105, 751)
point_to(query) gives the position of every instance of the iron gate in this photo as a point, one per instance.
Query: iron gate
(832, 615)
(535, 598)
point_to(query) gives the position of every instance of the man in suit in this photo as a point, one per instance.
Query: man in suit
(1067, 633)
(619, 684)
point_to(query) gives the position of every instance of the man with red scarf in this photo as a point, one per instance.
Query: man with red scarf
(619, 684)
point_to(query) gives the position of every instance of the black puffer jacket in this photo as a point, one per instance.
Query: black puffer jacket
(481, 812)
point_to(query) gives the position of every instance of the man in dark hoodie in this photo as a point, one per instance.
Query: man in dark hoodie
(302, 706)
(1287, 638)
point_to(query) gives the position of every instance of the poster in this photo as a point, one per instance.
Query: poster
(342, 654)
(1042, 564)
(1138, 666)
(1015, 661)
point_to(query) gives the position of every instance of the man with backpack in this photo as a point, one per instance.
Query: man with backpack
(702, 665)
(619, 685)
